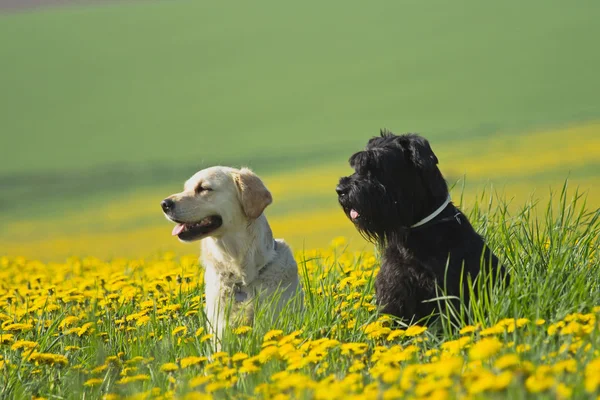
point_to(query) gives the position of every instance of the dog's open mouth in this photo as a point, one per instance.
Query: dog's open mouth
(354, 214)
(195, 230)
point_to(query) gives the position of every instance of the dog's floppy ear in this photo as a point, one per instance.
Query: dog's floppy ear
(253, 194)
(421, 153)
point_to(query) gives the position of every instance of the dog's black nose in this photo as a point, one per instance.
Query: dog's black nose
(340, 190)
(167, 205)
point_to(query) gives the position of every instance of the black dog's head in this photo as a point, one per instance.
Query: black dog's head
(396, 183)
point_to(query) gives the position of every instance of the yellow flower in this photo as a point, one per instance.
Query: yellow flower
(206, 337)
(99, 369)
(199, 332)
(563, 391)
(454, 346)
(134, 378)
(6, 338)
(357, 366)
(93, 382)
(539, 383)
(239, 357)
(68, 321)
(393, 394)
(394, 334)
(507, 361)
(554, 328)
(272, 334)
(143, 320)
(592, 376)
(189, 361)
(267, 353)
(24, 344)
(468, 329)
(85, 329)
(242, 330)
(522, 348)
(355, 348)
(569, 365)
(494, 330)
(540, 321)
(391, 375)
(169, 367)
(199, 381)
(485, 348)
(415, 330)
(214, 386)
(178, 330)
(18, 327)
(503, 380)
(48, 358)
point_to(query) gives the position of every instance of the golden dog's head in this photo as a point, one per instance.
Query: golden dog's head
(214, 201)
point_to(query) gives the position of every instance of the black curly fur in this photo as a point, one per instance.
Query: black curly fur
(397, 183)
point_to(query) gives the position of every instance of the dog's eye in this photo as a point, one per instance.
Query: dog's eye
(200, 189)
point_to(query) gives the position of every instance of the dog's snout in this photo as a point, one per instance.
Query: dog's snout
(340, 190)
(167, 205)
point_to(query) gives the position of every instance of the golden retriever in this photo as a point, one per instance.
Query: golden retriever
(223, 208)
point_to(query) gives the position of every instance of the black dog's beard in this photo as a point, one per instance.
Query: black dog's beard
(380, 217)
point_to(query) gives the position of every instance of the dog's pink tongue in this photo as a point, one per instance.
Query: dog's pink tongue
(178, 229)
(353, 214)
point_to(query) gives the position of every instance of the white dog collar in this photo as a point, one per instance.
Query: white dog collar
(434, 214)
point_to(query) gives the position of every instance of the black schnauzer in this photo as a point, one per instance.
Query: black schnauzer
(398, 198)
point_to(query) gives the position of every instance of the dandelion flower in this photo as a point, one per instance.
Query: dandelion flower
(485, 348)
(468, 329)
(178, 330)
(539, 383)
(23, 345)
(206, 337)
(239, 357)
(415, 330)
(93, 382)
(394, 334)
(169, 367)
(6, 338)
(242, 330)
(199, 381)
(563, 391)
(143, 320)
(272, 334)
(507, 361)
(134, 378)
(68, 321)
(49, 358)
(190, 361)
(85, 329)
(18, 327)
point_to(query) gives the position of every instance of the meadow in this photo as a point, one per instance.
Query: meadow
(107, 108)
(134, 328)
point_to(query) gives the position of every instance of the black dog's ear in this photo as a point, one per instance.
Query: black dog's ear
(421, 153)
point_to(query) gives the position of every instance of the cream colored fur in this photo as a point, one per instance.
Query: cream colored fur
(239, 258)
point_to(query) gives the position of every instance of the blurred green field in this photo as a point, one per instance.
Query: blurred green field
(105, 102)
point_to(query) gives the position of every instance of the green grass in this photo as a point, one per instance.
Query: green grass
(101, 100)
(550, 249)
(186, 83)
